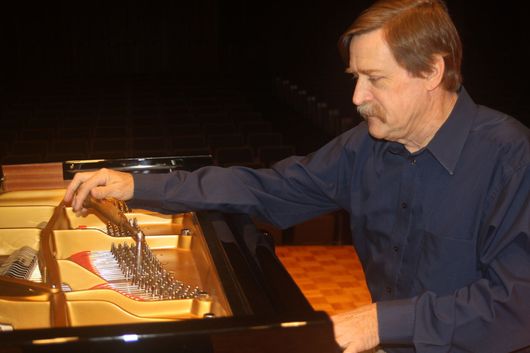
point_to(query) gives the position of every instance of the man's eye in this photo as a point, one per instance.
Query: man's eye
(374, 79)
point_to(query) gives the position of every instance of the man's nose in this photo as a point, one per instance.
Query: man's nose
(361, 93)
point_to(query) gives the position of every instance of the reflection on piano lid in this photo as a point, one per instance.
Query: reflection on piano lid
(138, 165)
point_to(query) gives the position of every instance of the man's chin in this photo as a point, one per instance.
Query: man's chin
(375, 127)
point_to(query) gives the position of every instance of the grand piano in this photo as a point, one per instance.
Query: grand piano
(194, 282)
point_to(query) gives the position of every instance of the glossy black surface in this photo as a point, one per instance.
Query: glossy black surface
(137, 165)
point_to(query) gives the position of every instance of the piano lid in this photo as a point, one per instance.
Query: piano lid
(137, 165)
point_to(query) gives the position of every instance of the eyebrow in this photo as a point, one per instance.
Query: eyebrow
(368, 72)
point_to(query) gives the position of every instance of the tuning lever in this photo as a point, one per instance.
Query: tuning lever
(108, 210)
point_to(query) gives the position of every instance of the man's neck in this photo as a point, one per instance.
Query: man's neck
(440, 109)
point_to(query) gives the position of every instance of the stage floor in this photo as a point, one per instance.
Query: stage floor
(330, 277)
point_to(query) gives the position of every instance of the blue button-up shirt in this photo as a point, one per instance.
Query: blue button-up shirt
(443, 234)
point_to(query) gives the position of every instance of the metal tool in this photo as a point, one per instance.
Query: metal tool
(113, 214)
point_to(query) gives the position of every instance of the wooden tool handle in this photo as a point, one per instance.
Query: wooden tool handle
(110, 212)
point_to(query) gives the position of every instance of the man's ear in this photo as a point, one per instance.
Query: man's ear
(434, 77)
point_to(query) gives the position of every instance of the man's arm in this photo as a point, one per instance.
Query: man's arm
(293, 190)
(284, 195)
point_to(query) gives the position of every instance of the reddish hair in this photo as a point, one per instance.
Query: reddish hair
(415, 31)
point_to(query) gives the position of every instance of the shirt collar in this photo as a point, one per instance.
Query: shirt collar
(448, 143)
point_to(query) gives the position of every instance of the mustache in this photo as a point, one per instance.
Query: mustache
(369, 109)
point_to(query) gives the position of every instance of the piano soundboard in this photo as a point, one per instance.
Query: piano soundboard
(61, 270)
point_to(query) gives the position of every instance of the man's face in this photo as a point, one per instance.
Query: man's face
(393, 102)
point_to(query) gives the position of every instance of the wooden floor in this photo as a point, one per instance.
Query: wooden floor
(330, 277)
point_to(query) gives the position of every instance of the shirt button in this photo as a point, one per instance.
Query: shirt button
(404, 205)
(395, 248)
(413, 161)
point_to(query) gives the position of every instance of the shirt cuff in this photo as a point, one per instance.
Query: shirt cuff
(396, 321)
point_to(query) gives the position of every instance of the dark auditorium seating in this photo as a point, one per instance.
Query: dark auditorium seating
(220, 127)
(261, 139)
(240, 155)
(73, 132)
(110, 147)
(111, 132)
(67, 149)
(149, 146)
(254, 126)
(27, 151)
(195, 141)
(218, 140)
(269, 155)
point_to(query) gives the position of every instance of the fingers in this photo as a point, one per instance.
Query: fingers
(342, 329)
(100, 192)
(84, 189)
(357, 330)
(78, 179)
(101, 184)
(81, 186)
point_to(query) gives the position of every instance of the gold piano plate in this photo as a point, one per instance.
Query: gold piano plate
(45, 197)
(61, 270)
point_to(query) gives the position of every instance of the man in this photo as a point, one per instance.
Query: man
(437, 188)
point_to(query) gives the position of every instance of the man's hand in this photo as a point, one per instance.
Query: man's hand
(100, 184)
(357, 330)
